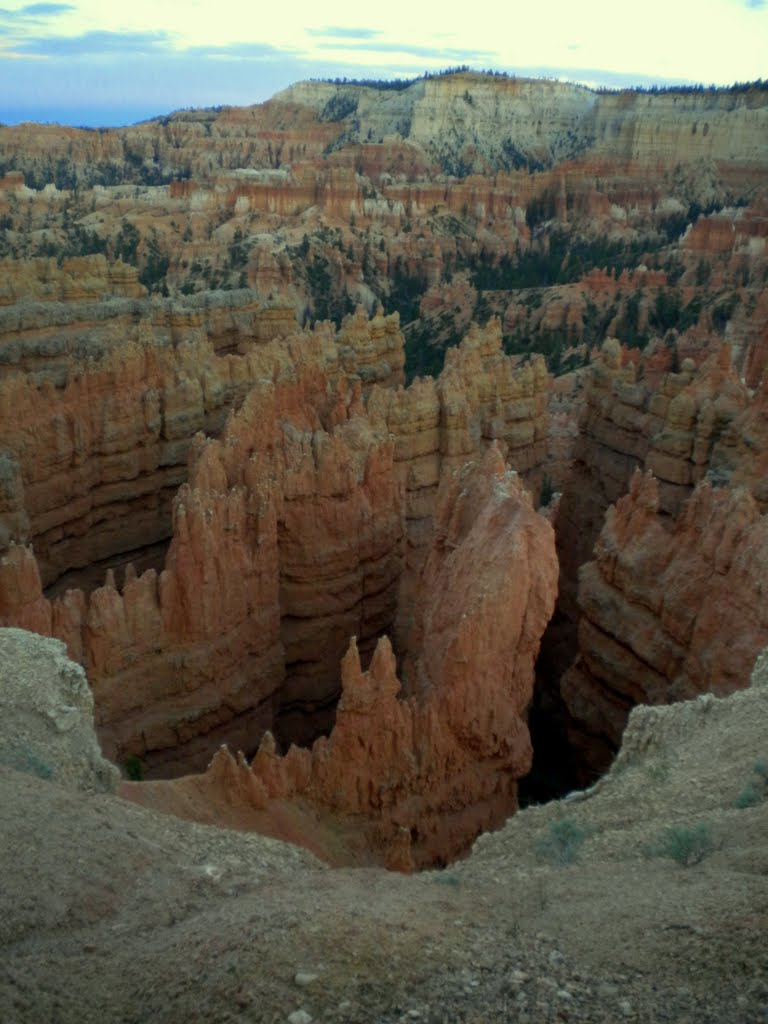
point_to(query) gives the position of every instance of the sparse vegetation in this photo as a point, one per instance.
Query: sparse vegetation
(658, 770)
(723, 311)
(686, 845)
(22, 759)
(155, 268)
(338, 107)
(562, 842)
(447, 878)
(756, 790)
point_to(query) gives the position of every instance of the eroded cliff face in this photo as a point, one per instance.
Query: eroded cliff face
(424, 766)
(99, 406)
(480, 397)
(257, 555)
(667, 611)
(257, 492)
(284, 541)
(688, 431)
(675, 429)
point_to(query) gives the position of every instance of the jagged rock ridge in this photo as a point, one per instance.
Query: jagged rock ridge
(424, 767)
(304, 524)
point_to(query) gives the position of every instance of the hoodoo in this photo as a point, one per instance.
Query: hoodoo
(283, 390)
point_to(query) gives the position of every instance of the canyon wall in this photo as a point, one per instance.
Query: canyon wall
(655, 585)
(668, 611)
(237, 568)
(422, 767)
(94, 452)
(480, 397)
(275, 544)
(99, 405)
(203, 400)
(674, 428)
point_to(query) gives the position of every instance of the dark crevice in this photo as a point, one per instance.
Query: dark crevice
(554, 771)
(92, 576)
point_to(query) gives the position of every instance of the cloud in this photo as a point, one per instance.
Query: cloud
(32, 12)
(94, 44)
(340, 32)
(123, 45)
(34, 9)
(240, 51)
(436, 52)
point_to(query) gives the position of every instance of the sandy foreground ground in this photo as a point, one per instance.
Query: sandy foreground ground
(112, 913)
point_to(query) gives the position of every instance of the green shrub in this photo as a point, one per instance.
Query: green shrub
(562, 842)
(22, 759)
(447, 878)
(756, 790)
(751, 795)
(685, 845)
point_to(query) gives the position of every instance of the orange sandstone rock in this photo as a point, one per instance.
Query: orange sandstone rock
(286, 540)
(667, 613)
(481, 396)
(426, 766)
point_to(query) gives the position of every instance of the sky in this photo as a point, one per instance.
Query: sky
(97, 62)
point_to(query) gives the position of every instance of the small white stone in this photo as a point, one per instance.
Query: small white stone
(299, 1017)
(305, 978)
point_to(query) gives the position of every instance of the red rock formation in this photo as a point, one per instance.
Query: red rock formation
(756, 359)
(300, 200)
(667, 613)
(285, 542)
(685, 427)
(372, 350)
(673, 430)
(91, 471)
(740, 457)
(481, 396)
(77, 279)
(424, 773)
(681, 429)
(195, 651)
(95, 449)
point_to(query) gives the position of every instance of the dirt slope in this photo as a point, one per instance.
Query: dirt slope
(111, 913)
